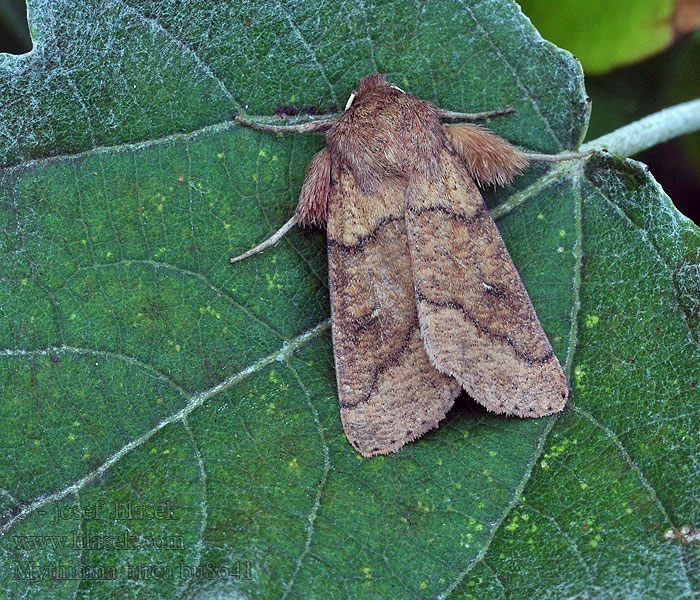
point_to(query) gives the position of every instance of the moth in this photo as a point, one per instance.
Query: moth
(425, 299)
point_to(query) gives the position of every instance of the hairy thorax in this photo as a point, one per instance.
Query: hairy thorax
(387, 136)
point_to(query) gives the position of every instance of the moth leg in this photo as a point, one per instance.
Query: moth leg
(530, 156)
(310, 126)
(271, 241)
(313, 202)
(460, 116)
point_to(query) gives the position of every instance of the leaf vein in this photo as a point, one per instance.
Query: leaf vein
(156, 27)
(194, 402)
(497, 52)
(321, 484)
(610, 434)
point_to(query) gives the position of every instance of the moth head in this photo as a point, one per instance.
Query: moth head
(369, 83)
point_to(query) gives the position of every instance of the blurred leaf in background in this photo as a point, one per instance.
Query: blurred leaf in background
(605, 35)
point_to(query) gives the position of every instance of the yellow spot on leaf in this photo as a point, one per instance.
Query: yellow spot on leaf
(208, 309)
(591, 321)
(271, 285)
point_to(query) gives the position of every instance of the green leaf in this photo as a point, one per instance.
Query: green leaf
(170, 424)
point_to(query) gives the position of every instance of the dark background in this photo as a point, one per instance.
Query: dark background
(619, 97)
(14, 32)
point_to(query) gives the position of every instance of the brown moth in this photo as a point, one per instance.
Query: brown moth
(425, 299)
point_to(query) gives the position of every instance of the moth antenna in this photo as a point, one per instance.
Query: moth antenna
(271, 241)
(460, 116)
(323, 124)
(534, 156)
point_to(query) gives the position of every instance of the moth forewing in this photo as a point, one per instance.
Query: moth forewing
(389, 392)
(477, 321)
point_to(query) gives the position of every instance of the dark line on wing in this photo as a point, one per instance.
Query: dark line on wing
(480, 213)
(455, 305)
(364, 322)
(362, 241)
(388, 362)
